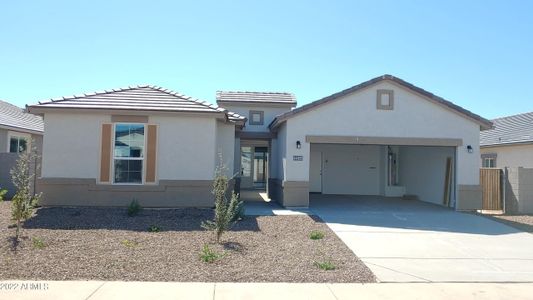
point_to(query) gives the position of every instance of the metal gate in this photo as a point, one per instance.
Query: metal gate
(491, 185)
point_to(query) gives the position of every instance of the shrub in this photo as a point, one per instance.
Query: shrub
(209, 255)
(3, 192)
(154, 228)
(130, 243)
(316, 235)
(24, 201)
(325, 265)
(239, 215)
(134, 208)
(226, 211)
(38, 243)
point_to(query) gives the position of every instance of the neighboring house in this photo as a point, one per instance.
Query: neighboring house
(509, 143)
(509, 146)
(17, 130)
(383, 137)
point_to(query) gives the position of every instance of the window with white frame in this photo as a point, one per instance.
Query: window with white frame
(18, 143)
(489, 162)
(128, 153)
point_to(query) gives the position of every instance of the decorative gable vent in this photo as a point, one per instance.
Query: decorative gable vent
(385, 99)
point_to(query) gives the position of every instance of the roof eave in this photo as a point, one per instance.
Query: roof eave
(507, 144)
(41, 110)
(21, 129)
(284, 103)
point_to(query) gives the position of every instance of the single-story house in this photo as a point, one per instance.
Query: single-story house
(509, 143)
(383, 137)
(17, 131)
(509, 146)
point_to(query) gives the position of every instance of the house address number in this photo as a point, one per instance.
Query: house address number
(297, 158)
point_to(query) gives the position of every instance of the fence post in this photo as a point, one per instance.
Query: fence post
(504, 189)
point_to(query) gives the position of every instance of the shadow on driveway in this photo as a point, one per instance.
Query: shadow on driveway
(374, 212)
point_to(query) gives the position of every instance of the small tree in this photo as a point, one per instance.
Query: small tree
(24, 201)
(226, 211)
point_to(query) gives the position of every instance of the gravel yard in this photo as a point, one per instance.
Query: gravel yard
(521, 222)
(106, 244)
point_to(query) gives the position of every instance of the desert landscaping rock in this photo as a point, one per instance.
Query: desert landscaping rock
(89, 244)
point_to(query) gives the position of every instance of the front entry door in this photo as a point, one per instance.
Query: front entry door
(260, 167)
(254, 167)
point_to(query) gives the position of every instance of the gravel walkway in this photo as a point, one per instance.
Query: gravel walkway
(106, 244)
(521, 222)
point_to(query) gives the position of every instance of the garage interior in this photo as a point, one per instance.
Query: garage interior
(425, 173)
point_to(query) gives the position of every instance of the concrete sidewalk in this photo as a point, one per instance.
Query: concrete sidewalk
(93, 290)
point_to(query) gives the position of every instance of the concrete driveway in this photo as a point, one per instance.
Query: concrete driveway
(411, 241)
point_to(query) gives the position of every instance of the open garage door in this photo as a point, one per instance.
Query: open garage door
(422, 172)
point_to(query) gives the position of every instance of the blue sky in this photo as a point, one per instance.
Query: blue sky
(478, 54)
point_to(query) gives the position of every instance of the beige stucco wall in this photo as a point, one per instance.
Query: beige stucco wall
(185, 146)
(512, 155)
(270, 112)
(71, 146)
(225, 145)
(187, 151)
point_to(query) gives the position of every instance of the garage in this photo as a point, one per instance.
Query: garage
(425, 173)
(384, 137)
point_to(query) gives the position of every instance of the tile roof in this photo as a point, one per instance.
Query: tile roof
(142, 97)
(15, 117)
(509, 130)
(256, 97)
(484, 123)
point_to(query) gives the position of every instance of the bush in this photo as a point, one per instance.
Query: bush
(316, 235)
(129, 243)
(134, 208)
(154, 228)
(38, 243)
(24, 201)
(3, 192)
(325, 265)
(209, 255)
(226, 211)
(239, 215)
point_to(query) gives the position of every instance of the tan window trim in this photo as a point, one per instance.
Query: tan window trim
(379, 104)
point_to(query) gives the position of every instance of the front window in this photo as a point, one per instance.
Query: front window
(18, 144)
(128, 153)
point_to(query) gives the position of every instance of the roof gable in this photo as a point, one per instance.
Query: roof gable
(484, 123)
(12, 116)
(142, 97)
(509, 130)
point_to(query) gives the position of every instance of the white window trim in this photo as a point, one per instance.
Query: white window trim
(486, 159)
(19, 135)
(143, 175)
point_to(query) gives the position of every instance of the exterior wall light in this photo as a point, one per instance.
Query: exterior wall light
(298, 145)
(469, 149)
